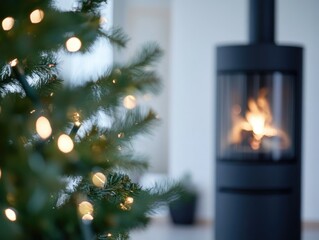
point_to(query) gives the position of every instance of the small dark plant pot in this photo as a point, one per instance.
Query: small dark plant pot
(182, 211)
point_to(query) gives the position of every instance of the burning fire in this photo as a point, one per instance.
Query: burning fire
(258, 124)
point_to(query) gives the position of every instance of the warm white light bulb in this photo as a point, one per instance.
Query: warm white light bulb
(0, 173)
(129, 102)
(65, 143)
(10, 214)
(7, 23)
(13, 62)
(120, 135)
(43, 127)
(73, 44)
(76, 118)
(99, 179)
(85, 207)
(129, 200)
(36, 16)
(87, 217)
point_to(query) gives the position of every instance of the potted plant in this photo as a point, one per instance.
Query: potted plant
(183, 209)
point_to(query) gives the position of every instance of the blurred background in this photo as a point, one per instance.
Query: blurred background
(189, 31)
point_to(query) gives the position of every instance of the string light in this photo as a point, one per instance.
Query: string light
(120, 135)
(129, 200)
(114, 81)
(103, 20)
(127, 204)
(73, 44)
(10, 214)
(129, 102)
(65, 143)
(43, 127)
(87, 217)
(109, 235)
(0, 173)
(99, 179)
(14, 62)
(36, 16)
(76, 118)
(85, 207)
(32, 111)
(7, 23)
(123, 207)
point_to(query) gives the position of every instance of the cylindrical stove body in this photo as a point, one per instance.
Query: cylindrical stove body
(259, 109)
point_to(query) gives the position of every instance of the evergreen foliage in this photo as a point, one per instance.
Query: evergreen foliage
(36, 201)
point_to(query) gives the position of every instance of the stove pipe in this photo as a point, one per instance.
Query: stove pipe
(258, 135)
(261, 21)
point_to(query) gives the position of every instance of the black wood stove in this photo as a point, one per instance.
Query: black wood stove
(259, 93)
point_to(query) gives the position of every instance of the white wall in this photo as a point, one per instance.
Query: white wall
(196, 28)
(149, 21)
(298, 23)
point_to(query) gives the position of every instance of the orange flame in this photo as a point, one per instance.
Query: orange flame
(258, 121)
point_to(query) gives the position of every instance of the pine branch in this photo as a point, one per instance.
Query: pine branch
(115, 36)
(132, 123)
(91, 6)
(29, 91)
(148, 55)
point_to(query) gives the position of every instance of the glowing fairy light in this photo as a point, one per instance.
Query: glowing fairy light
(0, 173)
(103, 20)
(123, 207)
(109, 235)
(129, 102)
(43, 127)
(10, 214)
(76, 118)
(73, 44)
(7, 23)
(129, 200)
(87, 217)
(14, 62)
(85, 207)
(121, 135)
(99, 179)
(36, 16)
(65, 143)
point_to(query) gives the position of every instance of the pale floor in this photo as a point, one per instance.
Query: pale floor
(163, 230)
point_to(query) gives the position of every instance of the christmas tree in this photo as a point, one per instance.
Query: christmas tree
(65, 151)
